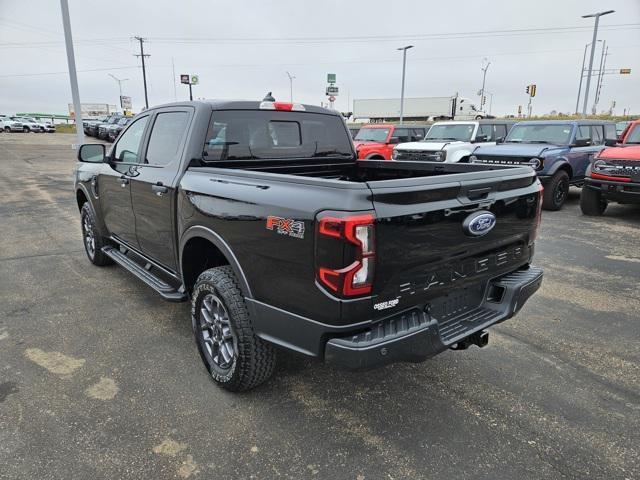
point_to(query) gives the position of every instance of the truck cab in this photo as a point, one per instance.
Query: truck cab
(376, 141)
(558, 150)
(453, 141)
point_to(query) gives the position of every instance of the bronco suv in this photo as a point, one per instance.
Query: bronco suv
(376, 141)
(453, 141)
(558, 150)
(614, 175)
(262, 216)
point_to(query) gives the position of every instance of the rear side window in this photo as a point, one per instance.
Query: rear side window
(402, 134)
(584, 132)
(610, 132)
(597, 134)
(486, 129)
(166, 137)
(257, 134)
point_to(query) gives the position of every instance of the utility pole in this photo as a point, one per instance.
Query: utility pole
(291, 77)
(484, 78)
(584, 59)
(144, 72)
(603, 62)
(73, 76)
(593, 50)
(404, 67)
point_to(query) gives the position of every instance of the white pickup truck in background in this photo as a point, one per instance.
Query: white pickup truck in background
(453, 142)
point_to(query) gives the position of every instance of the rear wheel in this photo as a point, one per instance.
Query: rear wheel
(555, 194)
(7, 129)
(91, 238)
(591, 202)
(235, 357)
(25, 129)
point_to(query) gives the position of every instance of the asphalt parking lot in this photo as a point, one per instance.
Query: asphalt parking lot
(100, 378)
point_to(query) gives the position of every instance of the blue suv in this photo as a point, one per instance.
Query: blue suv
(559, 150)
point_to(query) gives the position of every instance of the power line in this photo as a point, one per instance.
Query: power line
(66, 72)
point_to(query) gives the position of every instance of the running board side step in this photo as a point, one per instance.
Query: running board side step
(165, 290)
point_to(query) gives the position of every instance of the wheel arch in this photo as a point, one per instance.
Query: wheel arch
(562, 164)
(200, 249)
(81, 198)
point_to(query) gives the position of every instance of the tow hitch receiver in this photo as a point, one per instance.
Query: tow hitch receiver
(480, 339)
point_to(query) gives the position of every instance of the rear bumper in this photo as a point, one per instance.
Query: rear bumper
(622, 192)
(416, 335)
(412, 335)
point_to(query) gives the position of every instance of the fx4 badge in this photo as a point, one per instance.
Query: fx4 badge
(286, 226)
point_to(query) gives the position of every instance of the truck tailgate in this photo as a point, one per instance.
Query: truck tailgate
(425, 251)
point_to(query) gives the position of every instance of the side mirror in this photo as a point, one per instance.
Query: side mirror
(91, 153)
(481, 138)
(610, 142)
(500, 140)
(393, 140)
(582, 142)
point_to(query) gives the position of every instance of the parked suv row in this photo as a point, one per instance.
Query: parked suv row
(106, 127)
(25, 124)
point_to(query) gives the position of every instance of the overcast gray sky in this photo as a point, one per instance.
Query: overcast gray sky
(242, 49)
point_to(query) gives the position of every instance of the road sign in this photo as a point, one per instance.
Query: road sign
(332, 90)
(331, 78)
(194, 79)
(125, 102)
(625, 71)
(332, 98)
(184, 79)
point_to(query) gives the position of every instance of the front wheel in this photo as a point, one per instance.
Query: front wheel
(25, 129)
(91, 238)
(557, 192)
(7, 129)
(591, 202)
(236, 358)
(478, 117)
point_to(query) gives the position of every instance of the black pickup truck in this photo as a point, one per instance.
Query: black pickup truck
(262, 216)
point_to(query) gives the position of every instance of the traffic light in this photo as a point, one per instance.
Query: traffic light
(528, 88)
(533, 90)
(484, 100)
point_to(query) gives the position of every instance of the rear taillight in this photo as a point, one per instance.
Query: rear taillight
(357, 277)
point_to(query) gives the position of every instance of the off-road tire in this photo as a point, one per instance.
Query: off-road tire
(97, 257)
(553, 198)
(591, 202)
(254, 359)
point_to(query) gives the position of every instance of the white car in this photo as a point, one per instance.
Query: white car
(9, 125)
(452, 142)
(30, 124)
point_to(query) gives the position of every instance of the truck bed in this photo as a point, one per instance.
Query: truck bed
(363, 170)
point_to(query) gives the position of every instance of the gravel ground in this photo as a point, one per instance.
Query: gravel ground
(101, 379)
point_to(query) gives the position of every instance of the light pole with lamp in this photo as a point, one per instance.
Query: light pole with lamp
(593, 51)
(404, 67)
(291, 77)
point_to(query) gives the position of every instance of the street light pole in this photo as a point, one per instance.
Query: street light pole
(484, 78)
(404, 68)
(291, 77)
(584, 59)
(73, 76)
(593, 51)
(119, 80)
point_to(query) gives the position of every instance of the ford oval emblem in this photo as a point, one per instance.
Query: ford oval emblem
(479, 223)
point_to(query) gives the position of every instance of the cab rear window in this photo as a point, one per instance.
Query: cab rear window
(254, 135)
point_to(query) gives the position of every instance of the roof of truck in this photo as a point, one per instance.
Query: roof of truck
(216, 104)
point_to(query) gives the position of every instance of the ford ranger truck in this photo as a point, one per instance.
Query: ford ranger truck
(376, 141)
(453, 141)
(614, 175)
(558, 150)
(261, 215)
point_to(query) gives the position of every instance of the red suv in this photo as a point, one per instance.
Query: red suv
(376, 141)
(614, 175)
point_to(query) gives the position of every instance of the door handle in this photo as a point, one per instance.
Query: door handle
(159, 189)
(124, 181)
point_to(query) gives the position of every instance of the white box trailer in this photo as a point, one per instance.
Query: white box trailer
(417, 109)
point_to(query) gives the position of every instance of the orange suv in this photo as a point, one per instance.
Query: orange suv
(376, 141)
